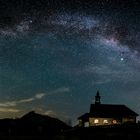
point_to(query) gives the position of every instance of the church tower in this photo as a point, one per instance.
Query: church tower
(97, 98)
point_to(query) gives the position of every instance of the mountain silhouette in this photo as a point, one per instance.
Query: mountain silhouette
(32, 124)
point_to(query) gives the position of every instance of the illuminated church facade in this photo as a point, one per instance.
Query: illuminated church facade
(106, 114)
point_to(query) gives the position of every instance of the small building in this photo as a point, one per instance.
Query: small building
(106, 114)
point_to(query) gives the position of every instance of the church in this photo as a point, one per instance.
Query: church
(106, 114)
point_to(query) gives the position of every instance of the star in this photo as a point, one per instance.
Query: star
(122, 59)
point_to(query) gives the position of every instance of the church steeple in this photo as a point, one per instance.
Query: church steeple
(97, 98)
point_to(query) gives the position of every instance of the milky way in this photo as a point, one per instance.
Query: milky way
(51, 61)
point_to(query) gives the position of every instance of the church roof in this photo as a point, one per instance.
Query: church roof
(109, 111)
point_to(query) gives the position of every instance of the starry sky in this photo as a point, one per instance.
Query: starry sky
(55, 55)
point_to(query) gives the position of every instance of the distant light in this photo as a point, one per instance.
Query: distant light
(96, 121)
(105, 121)
(114, 121)
(86, 124)
(122, 59)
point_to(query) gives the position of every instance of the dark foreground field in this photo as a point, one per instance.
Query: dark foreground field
(126, 132)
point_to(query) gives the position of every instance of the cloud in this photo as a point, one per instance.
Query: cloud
(59, 90)
(39, 95)
(26, 100)
(50, 113)
(7, 104)
(36, 97)
(12, 110)
(44, 111)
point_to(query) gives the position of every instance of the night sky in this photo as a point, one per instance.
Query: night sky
(55, 55)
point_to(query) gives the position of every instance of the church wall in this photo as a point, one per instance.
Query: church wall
(129, 120)
(103, 121)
